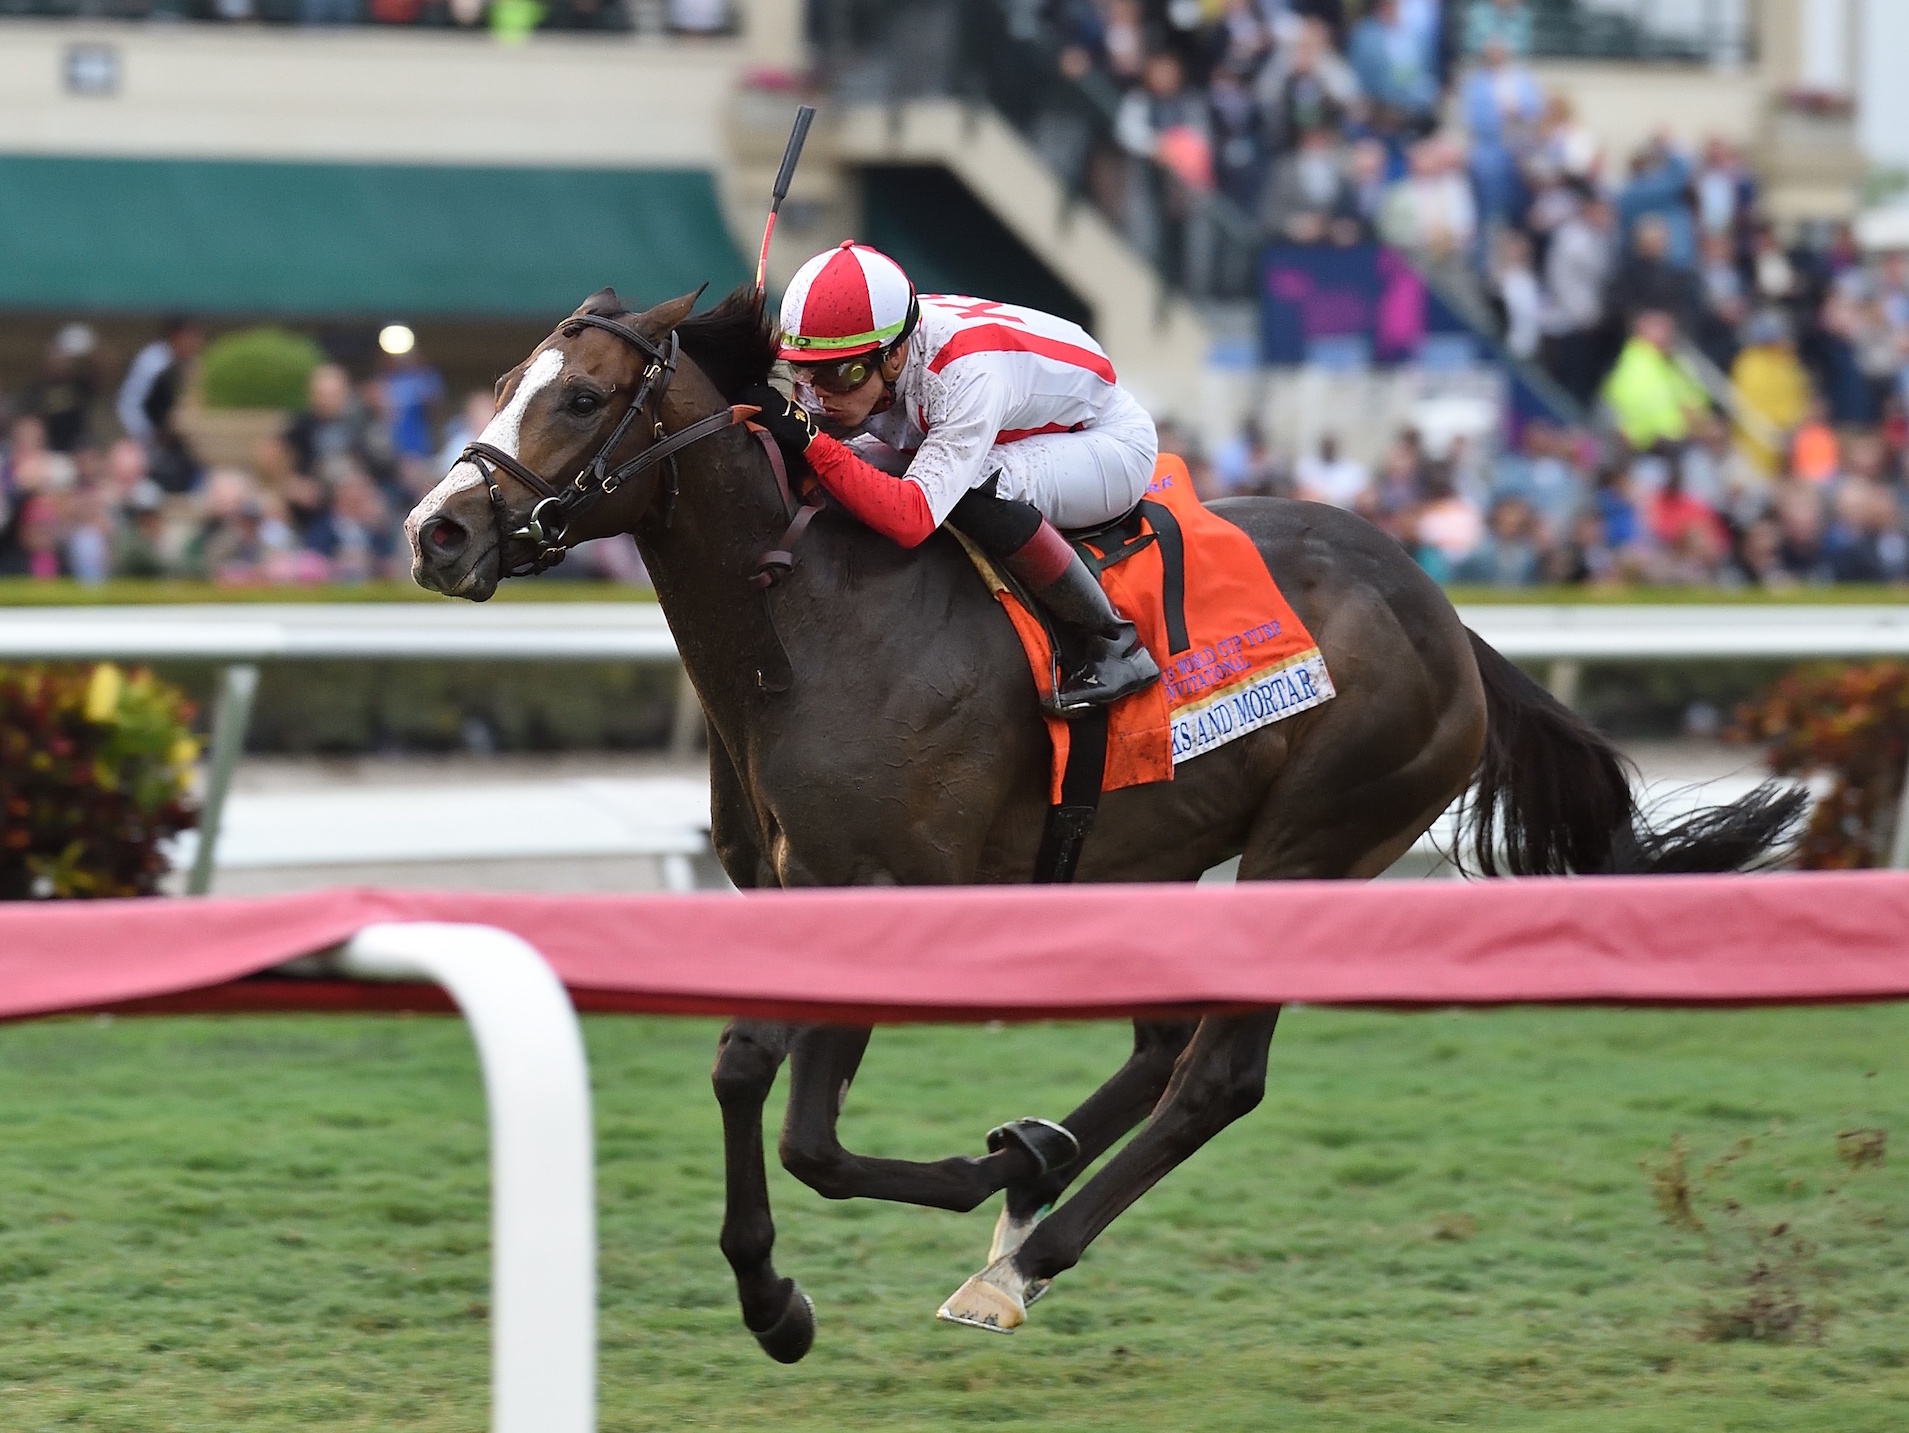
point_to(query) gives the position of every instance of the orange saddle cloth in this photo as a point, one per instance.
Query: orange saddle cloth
(1233, 655)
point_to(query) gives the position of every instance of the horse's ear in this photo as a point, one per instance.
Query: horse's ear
(665, 316)
(603, 303)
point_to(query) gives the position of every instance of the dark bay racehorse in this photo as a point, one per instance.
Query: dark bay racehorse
(872, 721)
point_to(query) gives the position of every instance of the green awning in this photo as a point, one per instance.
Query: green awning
(364, 239)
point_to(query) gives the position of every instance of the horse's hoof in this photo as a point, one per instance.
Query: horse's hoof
(1052, 1145)
(995, 1299)
(792, 1335)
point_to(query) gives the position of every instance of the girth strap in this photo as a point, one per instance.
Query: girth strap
(1069, 821)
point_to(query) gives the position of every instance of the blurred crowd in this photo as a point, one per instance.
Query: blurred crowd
(507, 18)
(1736, 393)
(100, 477)
(1580, 505)
(1566, 507)
(1317, 119)
(1730, 395)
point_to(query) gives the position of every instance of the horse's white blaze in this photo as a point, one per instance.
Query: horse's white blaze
(502, 433)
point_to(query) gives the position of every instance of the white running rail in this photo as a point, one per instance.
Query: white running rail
(543, 1312)
(1563, 636)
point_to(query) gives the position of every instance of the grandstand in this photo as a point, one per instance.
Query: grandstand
(1410, 284)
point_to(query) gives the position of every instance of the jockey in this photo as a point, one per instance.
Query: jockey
(1005, 419)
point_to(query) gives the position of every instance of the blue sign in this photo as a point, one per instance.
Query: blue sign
(1351, 306)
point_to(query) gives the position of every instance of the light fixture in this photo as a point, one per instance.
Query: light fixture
(395, 339)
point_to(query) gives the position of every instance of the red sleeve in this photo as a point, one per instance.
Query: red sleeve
(894, 507)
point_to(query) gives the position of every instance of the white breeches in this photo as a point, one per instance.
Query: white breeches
(1082, 479)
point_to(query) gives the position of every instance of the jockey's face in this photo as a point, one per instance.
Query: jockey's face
(853, 408)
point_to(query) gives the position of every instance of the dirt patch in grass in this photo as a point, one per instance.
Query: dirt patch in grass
(1763, 1211)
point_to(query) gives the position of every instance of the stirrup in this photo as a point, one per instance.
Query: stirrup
(1079, 693)
(1052, 1145)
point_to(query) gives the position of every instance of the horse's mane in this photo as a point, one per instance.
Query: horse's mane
(734, 344)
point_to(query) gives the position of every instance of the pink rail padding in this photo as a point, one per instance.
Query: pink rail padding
(1016, 953)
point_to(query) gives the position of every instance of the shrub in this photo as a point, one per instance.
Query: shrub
(258, 368)
(1851, 722)
(94, 773)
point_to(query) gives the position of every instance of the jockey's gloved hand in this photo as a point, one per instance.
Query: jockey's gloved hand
(788, 423)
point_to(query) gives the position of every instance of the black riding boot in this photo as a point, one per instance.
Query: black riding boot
(1102, 658)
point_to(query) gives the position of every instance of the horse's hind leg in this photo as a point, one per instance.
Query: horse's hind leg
(1103, 1117)
(1220, 1077)
(823, 1062)
(774, 1309)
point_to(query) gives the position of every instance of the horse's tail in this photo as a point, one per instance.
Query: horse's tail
(1552, 797)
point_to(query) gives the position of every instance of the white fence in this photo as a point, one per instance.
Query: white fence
(1614, 632)
(239, 636)
(367, 631)
(636, 631)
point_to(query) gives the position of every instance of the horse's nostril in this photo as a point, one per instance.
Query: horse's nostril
(443, 537)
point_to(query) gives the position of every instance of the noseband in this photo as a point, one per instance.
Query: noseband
(558, 508)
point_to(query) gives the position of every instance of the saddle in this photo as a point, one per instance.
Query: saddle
(1233, 655)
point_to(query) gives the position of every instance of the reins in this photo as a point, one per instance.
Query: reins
(779, 561)
(559, 508)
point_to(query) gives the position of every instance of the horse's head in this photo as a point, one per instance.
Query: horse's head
(558, 412)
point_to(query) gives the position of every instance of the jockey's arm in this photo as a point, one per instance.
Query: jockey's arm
(951, 460)
(895, 507)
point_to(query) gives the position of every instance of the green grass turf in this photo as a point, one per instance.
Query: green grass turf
(1434, 1221)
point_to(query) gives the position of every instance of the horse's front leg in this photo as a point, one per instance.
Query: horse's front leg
(1102, 1118)
(774, 1309)
(1220, 1076)
(822, 1064)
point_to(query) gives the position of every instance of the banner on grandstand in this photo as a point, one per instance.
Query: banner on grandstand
(1352, 306)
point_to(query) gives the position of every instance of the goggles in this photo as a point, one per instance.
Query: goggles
(844, 375)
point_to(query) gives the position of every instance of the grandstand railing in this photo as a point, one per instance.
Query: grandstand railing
(1001, 53)
(1713, 32)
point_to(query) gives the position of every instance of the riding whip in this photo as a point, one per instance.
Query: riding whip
(804, 117)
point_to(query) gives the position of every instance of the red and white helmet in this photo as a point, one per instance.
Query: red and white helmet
(846, 301)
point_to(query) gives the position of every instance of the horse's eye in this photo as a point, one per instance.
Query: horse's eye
(585, 403)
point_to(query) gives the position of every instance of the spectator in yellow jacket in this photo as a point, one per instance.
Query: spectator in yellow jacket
(1770, 381)
(1651, 397)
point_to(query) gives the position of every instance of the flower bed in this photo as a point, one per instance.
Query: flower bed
(95, 773)
(1853, 723)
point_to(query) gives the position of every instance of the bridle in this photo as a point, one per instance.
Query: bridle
(559, 507)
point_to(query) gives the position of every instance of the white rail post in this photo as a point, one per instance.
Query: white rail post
(238, 684)
(686, 729)
(543, 1206)
(1561, 680)
(1899, 843)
